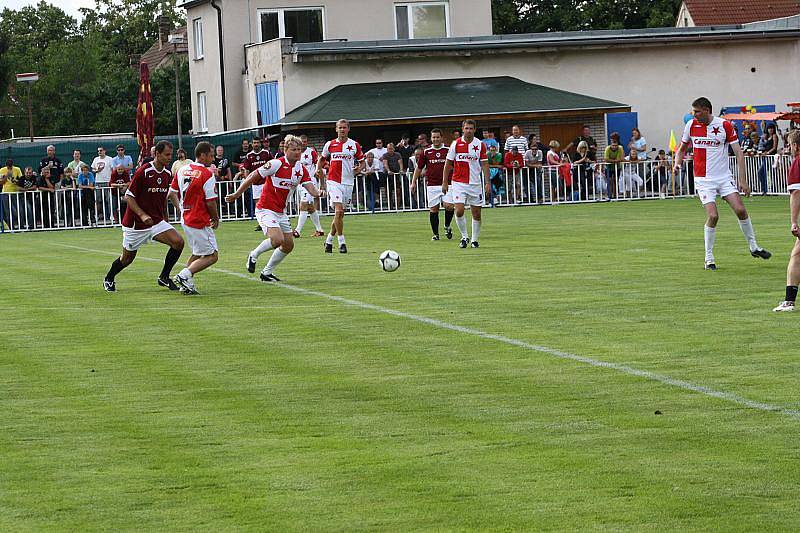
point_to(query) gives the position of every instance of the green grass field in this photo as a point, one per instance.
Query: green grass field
(258, 407)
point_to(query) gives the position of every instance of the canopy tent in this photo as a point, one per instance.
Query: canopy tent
(769, 117)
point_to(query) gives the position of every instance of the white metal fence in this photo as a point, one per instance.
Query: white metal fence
(572, 183)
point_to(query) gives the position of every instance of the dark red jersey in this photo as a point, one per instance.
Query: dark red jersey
(432, 160)
(149, 187)
(255, 160)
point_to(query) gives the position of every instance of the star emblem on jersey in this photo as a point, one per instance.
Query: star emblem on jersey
(715, 130)
(298, 174)
(475, 147)
(350, 148)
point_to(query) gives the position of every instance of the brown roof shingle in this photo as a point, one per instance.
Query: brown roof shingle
(714, 12)
(160, 53)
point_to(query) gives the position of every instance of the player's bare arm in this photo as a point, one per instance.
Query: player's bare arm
(737, 151)
(485, 167)
(312, 190)
(415, 177)
(448, 171)
(133, 206)
(213, 212)
(676, 167)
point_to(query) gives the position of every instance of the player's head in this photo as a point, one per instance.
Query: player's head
(436, 136)
(702, 109)
(256, 143)
(292, 147)
(468, 127)
(204, 153)
(163, 153)
(342, 127)
(794, 142)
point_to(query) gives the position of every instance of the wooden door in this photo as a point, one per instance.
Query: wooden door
(563, 133)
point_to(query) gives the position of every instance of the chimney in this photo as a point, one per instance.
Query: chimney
(164, 29)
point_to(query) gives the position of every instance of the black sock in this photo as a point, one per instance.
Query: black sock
(448, 218)
(116, 268)
(435, 223)
(172, 257)
(791, 293)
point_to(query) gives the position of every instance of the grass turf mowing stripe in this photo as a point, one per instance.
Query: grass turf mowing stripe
(666, 380)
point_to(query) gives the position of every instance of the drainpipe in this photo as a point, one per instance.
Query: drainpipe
(221, 65)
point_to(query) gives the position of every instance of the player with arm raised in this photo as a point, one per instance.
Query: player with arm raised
(309, 206)
(144, 219)
(280, 177)
(465, 161)
(346, 160)
(433, 160)
(710, 137)
(194, 189)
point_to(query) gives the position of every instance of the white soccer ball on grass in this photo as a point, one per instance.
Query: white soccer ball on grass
(389, 260)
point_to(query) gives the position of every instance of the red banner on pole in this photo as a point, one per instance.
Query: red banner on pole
(144, 114)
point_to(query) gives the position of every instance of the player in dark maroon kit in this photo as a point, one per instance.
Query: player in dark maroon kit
(255, 159)
(144, 219)
(432, 161)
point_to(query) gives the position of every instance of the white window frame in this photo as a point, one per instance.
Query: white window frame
(202, 112)
(197, 34)
(281, 23)
(410, 5)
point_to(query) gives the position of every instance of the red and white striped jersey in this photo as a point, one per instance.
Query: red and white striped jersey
(309, 160)
(710, 145)
(280, 178)
(343, 157)
(467, 157)
(196, 184)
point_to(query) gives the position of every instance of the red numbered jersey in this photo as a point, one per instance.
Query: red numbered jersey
(710, 144)
(196, 185)
(280, 179)
(433, 160)
(466, 158)
(343, 157)
(149, 187)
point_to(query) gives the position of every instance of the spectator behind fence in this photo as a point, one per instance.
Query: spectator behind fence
(768, 146)
(76, 162)
(513, 163)
(393, 163)
(663, 166)
(583, 170)
(639, 144)
(456, 134)
(240, 156)
(378, 152)
(553, 164)
(630, 181)
(101, 166)
(66, 206)
(120, 178)
(44, 206)
(489, 140)
(422, 143)
(10, 176)
(122, 159)
(86, 186)
(496, 172)
(750, 144)
(53, 163)
(613, 156)
(373, 177)
(586, 135)
(516, 139)
(222, 165)
(28, 184)
(150, 158)
(182, 161)
(405, 150)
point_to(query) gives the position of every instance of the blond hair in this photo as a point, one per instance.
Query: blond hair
(583, 145)
(292, 139)
(555, 145)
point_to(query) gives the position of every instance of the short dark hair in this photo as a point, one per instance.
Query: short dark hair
(162, 145)
(436, 130)
(9, 162)
(256, 138)
(703, 103)
(120, 146)
(245, 140)
(615, 136)
(203, 147)
(470, 122)
(586, 127)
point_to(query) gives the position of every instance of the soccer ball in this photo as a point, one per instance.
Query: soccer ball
(389, 260)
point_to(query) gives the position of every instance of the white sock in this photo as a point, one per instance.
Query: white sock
(461, 222)
(301, 221)
(185, 273)
(265, 246)
(277, 256)
(341, 240)
(749, 233)
(710, 234)
(315, 220)
(329, 239)
(476, 230)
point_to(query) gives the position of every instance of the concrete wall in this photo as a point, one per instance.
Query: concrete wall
(658, 82)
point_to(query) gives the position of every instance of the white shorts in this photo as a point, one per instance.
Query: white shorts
(436, 197)
(708, 189)
(270, 219)
(339, 193)
(201, 240)
(467, 193)
(133, 239)
(306, 196)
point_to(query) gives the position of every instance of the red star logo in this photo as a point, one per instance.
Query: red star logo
(475, 147)
(716, 131)
(350, 148)
(298, 174)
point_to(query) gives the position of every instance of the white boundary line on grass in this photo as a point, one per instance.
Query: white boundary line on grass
(666, 380)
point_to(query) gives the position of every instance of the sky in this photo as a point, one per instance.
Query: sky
(70, 6)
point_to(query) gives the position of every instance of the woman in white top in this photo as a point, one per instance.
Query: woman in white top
(639, 144)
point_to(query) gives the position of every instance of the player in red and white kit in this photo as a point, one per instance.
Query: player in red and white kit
(346, 160)
(309, 206)
(710, 137)
(793, 270)
(194, 188)
(144, 219)
(432, 161)
(254, 159)
(466, 159)
(280, 177)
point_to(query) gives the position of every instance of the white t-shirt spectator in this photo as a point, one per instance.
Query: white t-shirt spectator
(376, 166)
(639, 145)
(102, 169)
(379, 153)
(520, 142)
(532, 156)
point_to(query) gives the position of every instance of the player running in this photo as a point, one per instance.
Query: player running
(346, 160)
(465, 161)
(257, 157)
(432, 161)
(710, 137)
(194, 189)
(309, 206)
(284, 174)
(144, 219)
(793, 270)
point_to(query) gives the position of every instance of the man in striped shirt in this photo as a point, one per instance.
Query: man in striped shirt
(520, 142)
